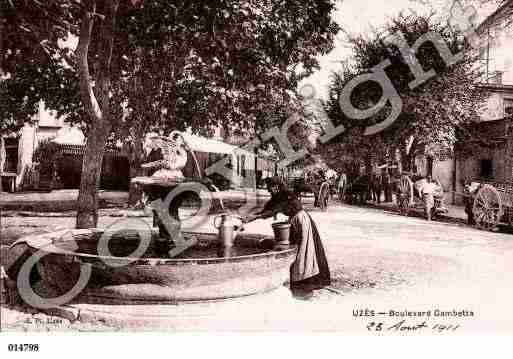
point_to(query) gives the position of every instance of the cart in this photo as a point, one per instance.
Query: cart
(493, 204)
(409, 198)
(320, 189)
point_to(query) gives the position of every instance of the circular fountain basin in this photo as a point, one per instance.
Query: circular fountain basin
(198, 274)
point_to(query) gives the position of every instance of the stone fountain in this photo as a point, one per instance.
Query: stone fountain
(210, 266)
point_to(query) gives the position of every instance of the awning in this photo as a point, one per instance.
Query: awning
(69, 136)
(202, 144)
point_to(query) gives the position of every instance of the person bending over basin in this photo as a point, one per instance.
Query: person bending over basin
(310, 270)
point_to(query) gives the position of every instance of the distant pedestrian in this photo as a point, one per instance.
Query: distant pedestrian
(387, 186)
(469, 191)
(376, 184)
(341, 186)
(427, 191)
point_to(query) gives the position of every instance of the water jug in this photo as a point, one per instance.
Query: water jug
(228, 226)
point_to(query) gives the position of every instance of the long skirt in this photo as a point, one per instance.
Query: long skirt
(429, 201)
(310, 270)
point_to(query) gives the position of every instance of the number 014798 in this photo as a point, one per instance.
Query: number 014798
(23, 347)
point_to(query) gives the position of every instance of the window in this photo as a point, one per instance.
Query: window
(11, 151)
(508, 106)
(486, 169)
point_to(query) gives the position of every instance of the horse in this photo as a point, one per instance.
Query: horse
(358, 190)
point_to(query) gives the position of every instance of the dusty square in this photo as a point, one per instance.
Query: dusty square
(380, 262)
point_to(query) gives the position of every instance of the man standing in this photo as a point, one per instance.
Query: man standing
(387, 184)
(376, 187)
(470, 190)
(341, 186)
(427, 191)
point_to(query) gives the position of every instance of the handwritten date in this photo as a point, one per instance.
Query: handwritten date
(404, 326)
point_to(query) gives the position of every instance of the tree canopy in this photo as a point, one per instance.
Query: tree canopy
(201, 61)
(158, 65)
(431, 110)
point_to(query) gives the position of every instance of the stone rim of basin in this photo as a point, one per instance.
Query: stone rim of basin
(47, 242)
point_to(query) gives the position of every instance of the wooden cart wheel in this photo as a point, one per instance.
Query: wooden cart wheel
(487, 207)
(324, 196)
(405, 193)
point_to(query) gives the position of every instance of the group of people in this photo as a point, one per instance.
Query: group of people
(310, 270)
(376, 187)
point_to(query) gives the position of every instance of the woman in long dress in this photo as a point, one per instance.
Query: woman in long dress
(310, 270)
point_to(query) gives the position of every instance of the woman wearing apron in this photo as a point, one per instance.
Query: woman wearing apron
(310, 270)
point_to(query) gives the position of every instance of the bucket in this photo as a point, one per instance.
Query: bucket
(281, 232)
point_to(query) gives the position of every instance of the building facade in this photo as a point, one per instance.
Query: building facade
(484, 158)
(19, 147)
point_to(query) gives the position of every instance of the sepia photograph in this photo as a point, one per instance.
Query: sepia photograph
(255, 166)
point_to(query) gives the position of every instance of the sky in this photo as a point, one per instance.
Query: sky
(361, 16)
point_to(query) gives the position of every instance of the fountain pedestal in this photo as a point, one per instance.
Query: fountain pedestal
(159, 189)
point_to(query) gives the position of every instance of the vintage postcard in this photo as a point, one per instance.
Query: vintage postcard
(243, 166)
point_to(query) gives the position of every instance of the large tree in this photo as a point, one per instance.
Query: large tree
(193, 63)
(236, 72)
(431, 110)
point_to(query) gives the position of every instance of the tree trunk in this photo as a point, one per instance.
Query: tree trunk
(429, 162)
(87, 211)
(97, 109)
(135, 158)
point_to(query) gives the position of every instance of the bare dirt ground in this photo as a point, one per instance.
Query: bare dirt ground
(379, 261)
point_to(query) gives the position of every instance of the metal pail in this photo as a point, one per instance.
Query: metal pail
(281, 232)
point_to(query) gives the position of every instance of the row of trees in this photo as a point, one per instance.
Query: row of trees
(432, 112)
(152, 65)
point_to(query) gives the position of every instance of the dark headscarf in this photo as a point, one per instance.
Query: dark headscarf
(285, 201)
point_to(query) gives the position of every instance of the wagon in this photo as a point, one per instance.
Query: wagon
(357, 190)
(323, 195)
(409, 198)
(321, 191)
(493, 204)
